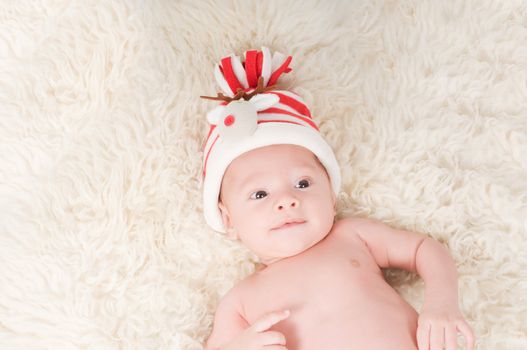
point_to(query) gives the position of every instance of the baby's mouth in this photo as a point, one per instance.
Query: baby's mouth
(288, 223)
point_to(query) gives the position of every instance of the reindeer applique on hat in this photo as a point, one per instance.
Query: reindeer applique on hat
(254, 114)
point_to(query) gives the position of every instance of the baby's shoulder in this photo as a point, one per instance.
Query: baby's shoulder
(243, 286)
(233, 298)
(349, 226)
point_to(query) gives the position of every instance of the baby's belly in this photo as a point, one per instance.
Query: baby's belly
(374, 317)
(369, 325)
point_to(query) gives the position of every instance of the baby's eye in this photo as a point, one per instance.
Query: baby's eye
(259, 195)
(303, 184)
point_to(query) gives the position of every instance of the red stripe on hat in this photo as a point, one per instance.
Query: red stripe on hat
(229, 74)
(293, 103)
(279, 121)
(212, 127)
(251, 67)
(259, 63)
(283, 111)
(283, 69)
(208, 154)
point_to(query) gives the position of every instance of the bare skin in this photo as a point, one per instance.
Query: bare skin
(322, 285)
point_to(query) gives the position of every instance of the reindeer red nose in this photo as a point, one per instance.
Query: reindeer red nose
(229, 120)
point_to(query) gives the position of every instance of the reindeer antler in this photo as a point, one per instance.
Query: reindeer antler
(241, 94)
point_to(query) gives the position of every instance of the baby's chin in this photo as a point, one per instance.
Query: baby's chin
(289, 245)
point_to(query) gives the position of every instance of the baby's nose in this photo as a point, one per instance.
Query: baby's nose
(287, 203)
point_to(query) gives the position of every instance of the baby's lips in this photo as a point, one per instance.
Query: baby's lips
(287, 222)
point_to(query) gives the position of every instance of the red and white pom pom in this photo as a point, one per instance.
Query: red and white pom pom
(233, 74)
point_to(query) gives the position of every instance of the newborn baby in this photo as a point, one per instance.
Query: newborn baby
(270, 181)
(322, 286)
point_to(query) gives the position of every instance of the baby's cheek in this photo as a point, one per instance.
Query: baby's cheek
(321, 203)
(247, 218)
(246, 222)
(325, 217)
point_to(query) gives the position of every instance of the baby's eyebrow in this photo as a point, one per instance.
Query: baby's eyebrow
(247, 179)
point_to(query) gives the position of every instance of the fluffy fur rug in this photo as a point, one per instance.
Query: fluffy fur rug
(102, 240)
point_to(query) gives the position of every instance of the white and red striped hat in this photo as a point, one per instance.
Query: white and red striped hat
(252, 115)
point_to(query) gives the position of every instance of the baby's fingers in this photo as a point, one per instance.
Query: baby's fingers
(465, 329)
(272, 338)
(437, 336)
(269, 320)
(450, 337)
(423, 336)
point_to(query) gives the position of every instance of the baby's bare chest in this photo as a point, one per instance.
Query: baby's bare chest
(331, 291)
(323, 278)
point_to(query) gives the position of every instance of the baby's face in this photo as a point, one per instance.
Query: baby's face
(278, 201)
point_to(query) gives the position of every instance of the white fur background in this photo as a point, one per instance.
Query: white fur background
(102, 240)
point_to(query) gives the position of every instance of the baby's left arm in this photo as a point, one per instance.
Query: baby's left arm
(440, 319)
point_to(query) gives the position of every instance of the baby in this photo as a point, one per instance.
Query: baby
(270, 181)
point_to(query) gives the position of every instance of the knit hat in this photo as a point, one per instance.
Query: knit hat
(253, 114)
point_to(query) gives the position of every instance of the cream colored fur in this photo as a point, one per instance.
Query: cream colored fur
(102, 240)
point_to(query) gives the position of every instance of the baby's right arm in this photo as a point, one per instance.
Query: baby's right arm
(232, 332)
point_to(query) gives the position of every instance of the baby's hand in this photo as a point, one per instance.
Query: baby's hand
(258, 337)
(438, 326)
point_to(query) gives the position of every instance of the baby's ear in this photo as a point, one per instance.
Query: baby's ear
(225, 218)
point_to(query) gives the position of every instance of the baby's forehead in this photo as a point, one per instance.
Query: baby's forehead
(271, 160)
(267, 163)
